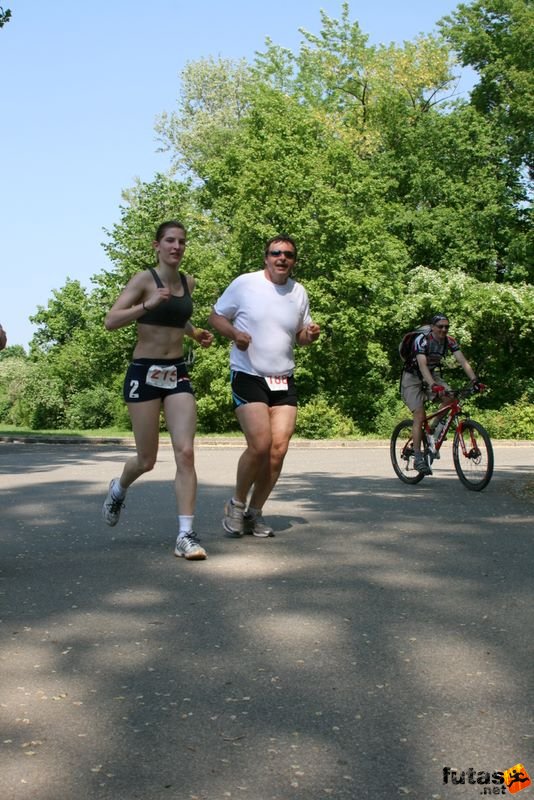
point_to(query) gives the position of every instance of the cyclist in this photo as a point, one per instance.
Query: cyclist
(421, 379)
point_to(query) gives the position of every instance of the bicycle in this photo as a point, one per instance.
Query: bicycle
(472, 451)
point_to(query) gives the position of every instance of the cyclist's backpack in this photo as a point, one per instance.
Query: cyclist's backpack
(406, 345)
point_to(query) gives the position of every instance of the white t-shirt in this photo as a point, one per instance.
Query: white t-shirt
(272, 315)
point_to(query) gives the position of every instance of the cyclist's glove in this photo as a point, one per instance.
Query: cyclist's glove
(478, 386)
(437, 388)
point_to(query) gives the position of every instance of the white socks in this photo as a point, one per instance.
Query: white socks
(117, 491)
(185, 525)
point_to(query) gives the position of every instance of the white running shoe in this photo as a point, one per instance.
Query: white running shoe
(111, 510)
(189, 547)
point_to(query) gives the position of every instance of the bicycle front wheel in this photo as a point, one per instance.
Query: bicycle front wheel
(402, 453)
(472, 454)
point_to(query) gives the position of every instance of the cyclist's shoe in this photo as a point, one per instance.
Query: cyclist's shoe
(421, 465)
(255, 525)
(233, 522)
(111, 510)
(189, 547)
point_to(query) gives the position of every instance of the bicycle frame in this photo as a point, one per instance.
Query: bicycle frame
(446, 414)
(449, 414)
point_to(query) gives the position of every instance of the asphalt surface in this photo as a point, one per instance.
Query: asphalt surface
(383, 636)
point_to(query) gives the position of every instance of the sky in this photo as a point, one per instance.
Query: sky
(81, 87)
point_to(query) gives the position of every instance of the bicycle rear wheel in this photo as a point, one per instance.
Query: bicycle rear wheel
(472, 454)
(402, 453)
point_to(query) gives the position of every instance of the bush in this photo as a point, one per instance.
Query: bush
(37, 400)
(321, 419)
(90, 408)
(120, 417)
(513, 421)
(214, 409)
(14, 372)
(5, 407)
(46, 412)
(392, 411)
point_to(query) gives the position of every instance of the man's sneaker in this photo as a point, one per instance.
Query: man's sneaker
(255, 525)
(233, 519)
(189, 547)
(111, 510)
(421, 465)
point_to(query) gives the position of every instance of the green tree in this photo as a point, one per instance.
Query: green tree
(496, 38)
(12, 351)
(213, 100)
(13, 369)
(5, 16)
(456, 202)
(70, 353)
(362, 91)
(66, 313)
(402, 200)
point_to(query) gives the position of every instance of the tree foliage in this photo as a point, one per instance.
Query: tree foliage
(5, 16)
(402, 199)
(496, 38)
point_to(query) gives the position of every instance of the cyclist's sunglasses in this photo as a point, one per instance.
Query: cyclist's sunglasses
(278, 253)
(443, 327)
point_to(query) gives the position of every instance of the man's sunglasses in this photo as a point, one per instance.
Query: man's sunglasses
(278, 253)
(443, 327)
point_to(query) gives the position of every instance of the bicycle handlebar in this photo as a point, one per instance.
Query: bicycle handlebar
(465, 391)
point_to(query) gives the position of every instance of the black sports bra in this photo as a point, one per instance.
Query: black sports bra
(172, 313)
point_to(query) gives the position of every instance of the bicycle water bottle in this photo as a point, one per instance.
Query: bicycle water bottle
(439, 427)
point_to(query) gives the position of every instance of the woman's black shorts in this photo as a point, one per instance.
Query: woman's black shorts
(254, 389)
(171, 373)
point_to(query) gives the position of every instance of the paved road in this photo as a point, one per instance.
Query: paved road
(384, 634)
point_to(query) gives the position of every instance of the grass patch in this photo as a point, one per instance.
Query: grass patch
(16, 430)
(112, 433)
(117, 433)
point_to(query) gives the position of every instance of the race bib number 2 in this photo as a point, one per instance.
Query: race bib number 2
(276, 383)
(162, 377)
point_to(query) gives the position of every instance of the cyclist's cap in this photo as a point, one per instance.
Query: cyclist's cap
(437, 318)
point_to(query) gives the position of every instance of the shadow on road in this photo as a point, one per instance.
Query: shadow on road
(382, 635)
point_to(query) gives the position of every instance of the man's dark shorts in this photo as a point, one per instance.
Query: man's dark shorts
(169, 374)
(255, 389)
